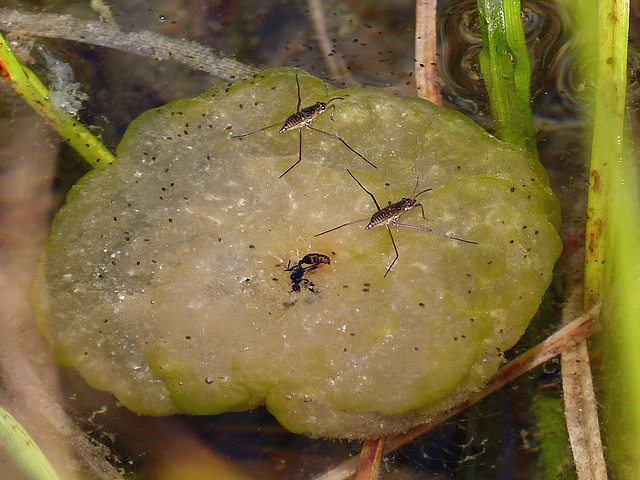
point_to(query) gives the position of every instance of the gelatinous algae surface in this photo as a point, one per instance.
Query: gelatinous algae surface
(164, 280)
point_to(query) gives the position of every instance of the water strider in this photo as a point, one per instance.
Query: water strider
(391, 214)
(303, 119)
(298, 271)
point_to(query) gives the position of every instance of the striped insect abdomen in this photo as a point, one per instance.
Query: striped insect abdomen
(304, 116)
(390, 212)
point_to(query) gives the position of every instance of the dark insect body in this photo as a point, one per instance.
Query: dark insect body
(298, 271)
(303, 119)
(314, 260)
(390, 215)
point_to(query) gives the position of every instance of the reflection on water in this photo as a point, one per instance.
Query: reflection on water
(461, 43)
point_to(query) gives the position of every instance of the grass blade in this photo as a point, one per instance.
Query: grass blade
(30, 88)
(25, 451)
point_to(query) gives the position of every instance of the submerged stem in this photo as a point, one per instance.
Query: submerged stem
(506, 69)
(33, 91)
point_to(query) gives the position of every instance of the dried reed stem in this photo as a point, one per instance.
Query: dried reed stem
(426, 67)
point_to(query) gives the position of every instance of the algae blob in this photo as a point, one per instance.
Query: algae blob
(164, 282)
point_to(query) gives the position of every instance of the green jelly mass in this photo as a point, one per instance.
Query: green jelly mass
(164, 281)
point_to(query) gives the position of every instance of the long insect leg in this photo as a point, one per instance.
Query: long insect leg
(299, 155)
(362, 187)
(332, 106)
(343, 225)
(333, 110)
(426, 229)
(299, 99)
(256, 131)
(336, 137)
(416, 196)
(421, 209)
(395, 248)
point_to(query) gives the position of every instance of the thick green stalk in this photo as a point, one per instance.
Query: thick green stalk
(506, 70)
(621, 319)
(610, 78)
(612, 258)
(28, 86)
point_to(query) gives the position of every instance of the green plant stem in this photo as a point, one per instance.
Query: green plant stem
(506, 69)
(621, 319)
(23, 449)
(610, 80)
(612, 258)
(552, 436)
(29, 87)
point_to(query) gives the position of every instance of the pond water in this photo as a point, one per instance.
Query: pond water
(506, 435)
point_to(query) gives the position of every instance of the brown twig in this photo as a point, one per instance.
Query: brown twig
(568, 336)
(370, 458)
(580, 409)
(143, 42)
(426, 68)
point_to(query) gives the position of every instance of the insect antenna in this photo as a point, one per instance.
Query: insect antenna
(326, 94)
(423, 191)
(419, 204)
(416, 188)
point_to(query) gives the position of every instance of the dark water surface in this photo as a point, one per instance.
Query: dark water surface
(501, 437)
